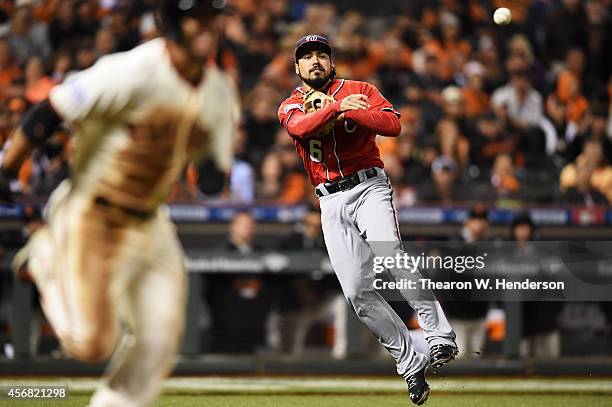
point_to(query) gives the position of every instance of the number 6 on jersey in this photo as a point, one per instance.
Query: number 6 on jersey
(316, 154)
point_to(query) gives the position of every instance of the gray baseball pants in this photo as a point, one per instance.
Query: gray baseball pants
(354, 223)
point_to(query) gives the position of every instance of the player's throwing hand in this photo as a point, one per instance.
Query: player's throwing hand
(354, 102)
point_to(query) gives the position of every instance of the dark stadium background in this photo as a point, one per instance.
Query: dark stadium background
(463, 153)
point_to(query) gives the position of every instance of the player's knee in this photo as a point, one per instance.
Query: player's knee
(95, 352)
(96, 346)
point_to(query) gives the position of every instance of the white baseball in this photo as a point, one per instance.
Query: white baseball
(502, 16)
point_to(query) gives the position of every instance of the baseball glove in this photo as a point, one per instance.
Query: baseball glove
(314, 100)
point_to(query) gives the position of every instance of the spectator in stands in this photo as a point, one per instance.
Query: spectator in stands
(282, 178)
(15, 239)
(601, 178)
(10, 72)
(304, 300)
(576, 103)
(148, 30)
(242, 233)
(565, 27)
(583, 193)
(491, 139)
(523, 103)
(270, 186)
(453, 47)
(445, 187)
(541, 336)
(452, 144)
(476, 225)
(240, 303)
(37, 84)
(474, 96)
(489, 56)
(253, 49)
(592, 127)
(5, 123)
(85, 58)
(105, 42)
(424, 112)
(125, 33)
(520, 47)
(570, 80)
(61, 67)
(599, 42)
(27, 37)
(16, 107)
(466, 315)
(394, 170)
(413, 56)
(416, 160)
(63, 29)
(295, 186)
(242, 181)
(394, 72)
(558, 132)
(503, 178)
(87, 23)
(351, 48)
(260, 122)
(430, 78)
(453, 107)
(598, 128)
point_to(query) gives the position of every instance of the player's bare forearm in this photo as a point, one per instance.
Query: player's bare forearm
(301, 125)
(19, 150)
(385, 123)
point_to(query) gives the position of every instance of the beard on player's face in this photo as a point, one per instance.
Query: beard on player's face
(318, 77)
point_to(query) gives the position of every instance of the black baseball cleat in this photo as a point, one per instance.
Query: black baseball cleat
(442, 354)
(418, 387)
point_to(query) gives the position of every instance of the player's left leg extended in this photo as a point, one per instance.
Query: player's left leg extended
(377, 221)
(153, 309)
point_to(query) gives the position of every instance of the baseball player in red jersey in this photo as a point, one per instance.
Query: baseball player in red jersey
(337, 142)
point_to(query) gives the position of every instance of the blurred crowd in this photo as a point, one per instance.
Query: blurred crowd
(498, 114)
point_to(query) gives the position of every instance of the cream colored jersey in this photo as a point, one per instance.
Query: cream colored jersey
(138, 122)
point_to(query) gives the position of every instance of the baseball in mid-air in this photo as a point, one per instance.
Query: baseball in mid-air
(502, 16)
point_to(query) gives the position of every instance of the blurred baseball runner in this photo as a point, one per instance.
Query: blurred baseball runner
(333, 124)
(107, 263)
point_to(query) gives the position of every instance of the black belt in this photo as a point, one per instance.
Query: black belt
(135, 213)
(346, 183)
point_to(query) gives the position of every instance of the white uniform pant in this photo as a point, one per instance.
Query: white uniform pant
(354, 222)
(112, 283)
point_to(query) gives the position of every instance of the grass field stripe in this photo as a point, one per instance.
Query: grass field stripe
(343, 386)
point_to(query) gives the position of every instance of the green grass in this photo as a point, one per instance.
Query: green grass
(345, 391)
(435, 400)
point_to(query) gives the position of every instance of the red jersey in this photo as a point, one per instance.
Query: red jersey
(351, 145)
